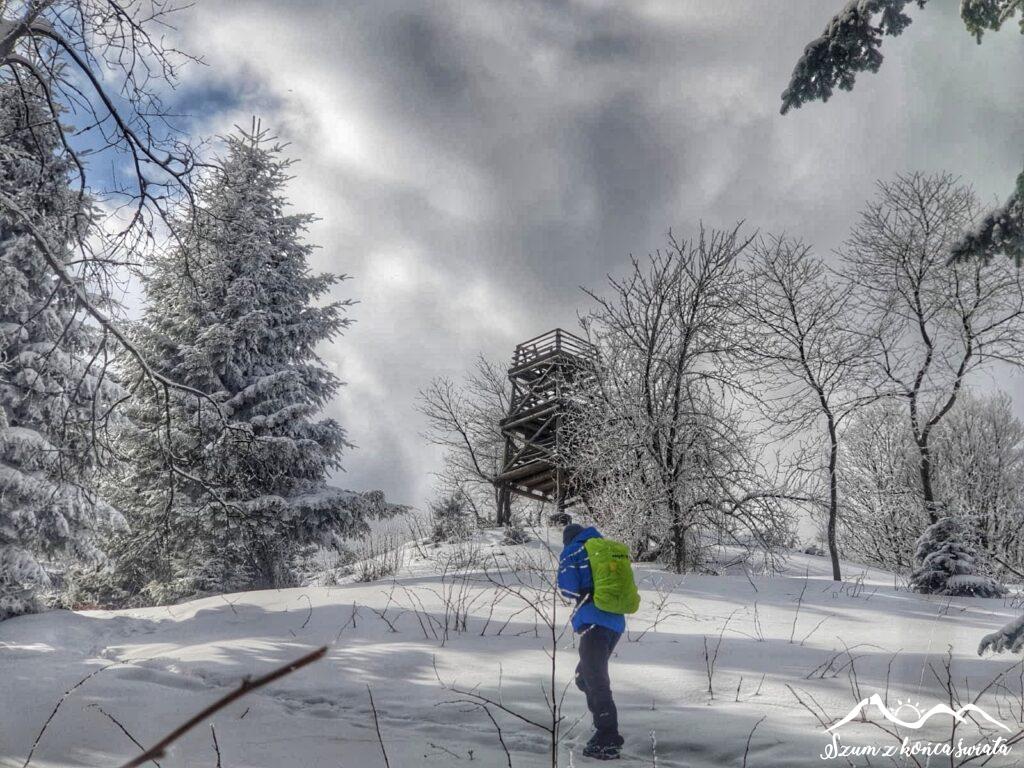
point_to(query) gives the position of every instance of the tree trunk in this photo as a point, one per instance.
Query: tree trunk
(833, 502)
(927, 493)
(678, 539)
(504, 505)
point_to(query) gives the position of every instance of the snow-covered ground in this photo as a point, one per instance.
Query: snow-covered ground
(772, 641)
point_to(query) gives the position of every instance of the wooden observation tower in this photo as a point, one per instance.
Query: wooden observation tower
(545, 372)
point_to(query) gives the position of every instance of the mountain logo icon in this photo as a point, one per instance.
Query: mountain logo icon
(920, 718)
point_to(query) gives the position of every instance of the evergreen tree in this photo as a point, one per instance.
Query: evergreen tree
(949, 564)
(228, 491)
(52, 390)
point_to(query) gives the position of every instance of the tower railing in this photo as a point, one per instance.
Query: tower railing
(552, 343)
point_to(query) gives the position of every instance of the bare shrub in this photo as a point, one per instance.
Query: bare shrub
(379, 555)
(515, 535)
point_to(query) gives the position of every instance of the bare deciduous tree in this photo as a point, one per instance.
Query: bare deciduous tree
(807, 366)
(978, 457)
(880, 500)
(463, 419)
(107, 66)
(108, 62)
(932, 323)
(658, 441)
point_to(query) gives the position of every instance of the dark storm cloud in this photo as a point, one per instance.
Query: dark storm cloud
(429, 60)
(473, 163)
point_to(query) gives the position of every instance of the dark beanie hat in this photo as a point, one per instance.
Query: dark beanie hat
(570, 532)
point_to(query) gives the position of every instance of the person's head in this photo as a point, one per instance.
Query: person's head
(560, 518)
(570, 532)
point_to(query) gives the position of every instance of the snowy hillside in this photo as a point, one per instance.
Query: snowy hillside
(764, 643)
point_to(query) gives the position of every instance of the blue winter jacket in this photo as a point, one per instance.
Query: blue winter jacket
(576, 583)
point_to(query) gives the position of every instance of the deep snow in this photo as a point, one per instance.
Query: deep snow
(160, 665)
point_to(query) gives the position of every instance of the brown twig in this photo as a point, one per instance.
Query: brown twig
(309, 615)
(376, 724)
(501, 737)
(247, 686)
(216, 746)
(124, 730)
(750, 736)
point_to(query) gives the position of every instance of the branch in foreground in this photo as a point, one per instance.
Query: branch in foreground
(247, 686)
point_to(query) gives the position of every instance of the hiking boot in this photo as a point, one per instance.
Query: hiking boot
(602, 752)
(604, 740)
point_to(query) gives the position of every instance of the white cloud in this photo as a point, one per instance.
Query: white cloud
(474, 163)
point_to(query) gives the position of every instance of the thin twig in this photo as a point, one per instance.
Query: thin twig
(799, 603)
(216, 746)
(124, 730)
(376, 724)
(60, 701)
(444, 749)
(501, 737)
(750, 736)
(308, 615)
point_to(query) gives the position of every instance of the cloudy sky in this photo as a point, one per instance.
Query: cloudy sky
(475, 161)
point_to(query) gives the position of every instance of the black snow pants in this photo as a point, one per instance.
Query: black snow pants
(596, 646)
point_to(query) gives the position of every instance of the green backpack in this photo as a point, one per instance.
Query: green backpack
(614, 588)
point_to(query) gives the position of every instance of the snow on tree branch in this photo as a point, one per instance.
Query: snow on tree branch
(1000, 233)
(1009, 638)
(849, 45)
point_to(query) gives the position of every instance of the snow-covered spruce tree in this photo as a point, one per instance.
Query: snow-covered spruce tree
(949, 565)
(52, 390)
(230, 491)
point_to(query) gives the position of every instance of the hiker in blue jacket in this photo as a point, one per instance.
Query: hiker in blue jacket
(599, 631)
